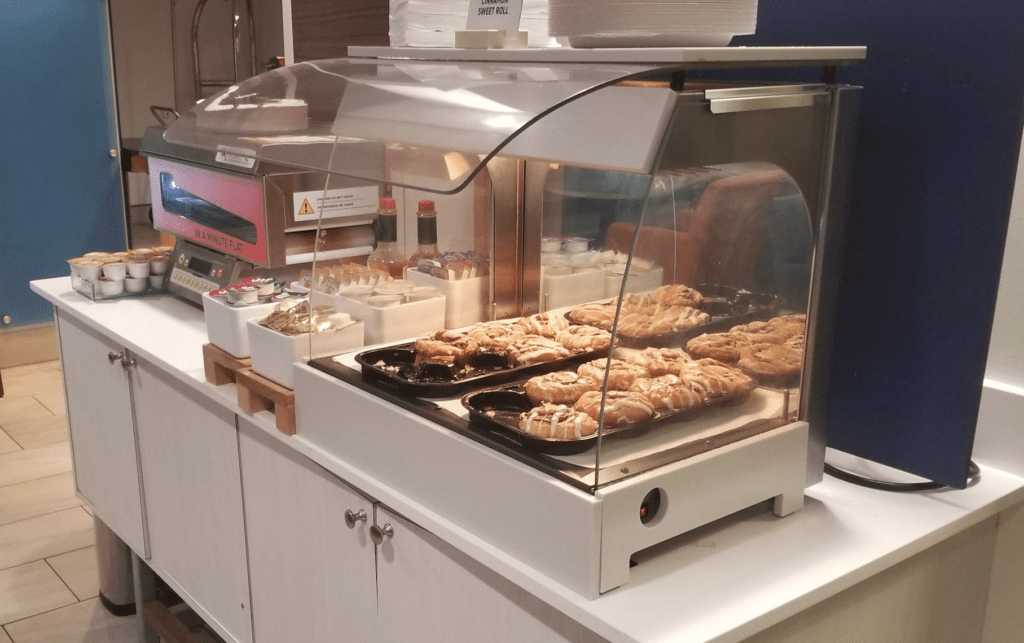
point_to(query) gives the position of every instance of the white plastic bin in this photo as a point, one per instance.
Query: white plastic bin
(274, 354)
(389, 325)
(225, 324)
(465, 299)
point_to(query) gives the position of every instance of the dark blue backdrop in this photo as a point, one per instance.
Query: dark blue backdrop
(939, 135)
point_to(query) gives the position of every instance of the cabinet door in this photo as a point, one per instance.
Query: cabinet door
(188, 447)
(312, 576)
(429, 591)
(102, 432)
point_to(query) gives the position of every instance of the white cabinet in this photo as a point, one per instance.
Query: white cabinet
(312, 574)
(188, 449)
(317, 577)
(159, 465)
(102, 428)
(429, 591)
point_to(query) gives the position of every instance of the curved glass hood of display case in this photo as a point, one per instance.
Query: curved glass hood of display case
(432, 125)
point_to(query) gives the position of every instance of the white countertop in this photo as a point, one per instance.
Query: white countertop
(721, 583)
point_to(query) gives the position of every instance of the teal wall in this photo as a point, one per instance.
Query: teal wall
(60, 192)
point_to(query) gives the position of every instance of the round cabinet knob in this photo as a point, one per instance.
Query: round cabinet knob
(7, 320)
(379, 534)
(112, 153)
(113, 357)
(352, 518)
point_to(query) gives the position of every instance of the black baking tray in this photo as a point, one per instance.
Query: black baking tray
(497, 409)
(393, 366)
(727, 307)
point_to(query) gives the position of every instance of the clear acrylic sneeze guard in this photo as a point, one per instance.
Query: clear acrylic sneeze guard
(617, 289)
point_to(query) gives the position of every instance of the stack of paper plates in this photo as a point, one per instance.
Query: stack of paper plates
(651, 23)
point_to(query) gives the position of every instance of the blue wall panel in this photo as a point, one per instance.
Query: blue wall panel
(60, 192)
(938, 142)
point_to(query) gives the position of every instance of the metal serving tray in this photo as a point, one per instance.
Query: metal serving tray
(498, 409)
(393, 367)
(726, 306)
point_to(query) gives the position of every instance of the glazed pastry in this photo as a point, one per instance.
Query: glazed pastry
(642, 324)
(770, 360)
(621, 374)
(543, 324)
(557, 422)
(715, 378)
(794, 324)
(533, 349)
(561, 387)
(668, 393)
(724, 347)
(584, 338)
(677, 295)
(621, 408)
(760, 333)
(495, 337)
(446, 343)
(795, 342)
(657, 361)
(684, 318)
(633, 302)
(596, 315)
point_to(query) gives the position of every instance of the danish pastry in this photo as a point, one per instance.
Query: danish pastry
(560, 387)
(770, 360)
(495, 337)
(596, 315)
(724, 347)
(794, 324)
(620, 374)
(668, 393)
(621, 408)
(677, 295)
(657, 361)
(446, 344)
(761, 333)
(558, 422)
(543, 324)
(715, 378)
(533, 349)
(584, 338)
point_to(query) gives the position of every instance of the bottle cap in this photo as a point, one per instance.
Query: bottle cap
(387, 203)
(426, 205)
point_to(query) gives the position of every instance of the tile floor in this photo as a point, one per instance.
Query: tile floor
(48, 577)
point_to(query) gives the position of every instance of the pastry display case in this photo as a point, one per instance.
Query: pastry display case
(611, 278)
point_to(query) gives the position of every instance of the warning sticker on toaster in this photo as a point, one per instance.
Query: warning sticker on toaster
(343, 202)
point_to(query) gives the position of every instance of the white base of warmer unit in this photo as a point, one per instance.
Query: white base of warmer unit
(700, 490)
(579, 540)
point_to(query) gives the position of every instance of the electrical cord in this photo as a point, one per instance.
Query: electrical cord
(973, 472)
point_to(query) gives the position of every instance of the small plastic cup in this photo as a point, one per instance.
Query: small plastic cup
(89, 269)
(156, 282)
(115, 271)
(158, 264)
(111, 287)
(135, 284)
(138, 268)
